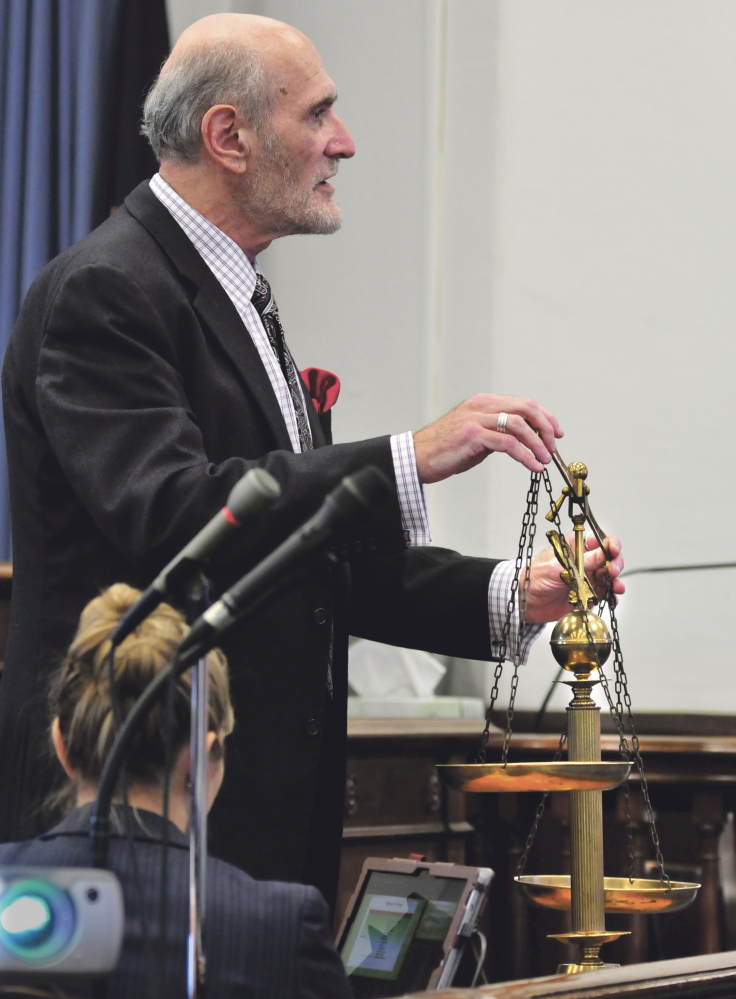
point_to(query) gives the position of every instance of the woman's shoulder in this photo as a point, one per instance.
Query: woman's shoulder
(57, 851)
(270, 899)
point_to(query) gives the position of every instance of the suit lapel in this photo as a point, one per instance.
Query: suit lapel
(221, 318)
(212, 305)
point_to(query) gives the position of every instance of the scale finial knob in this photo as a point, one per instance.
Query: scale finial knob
(581, 642)
(578, 470)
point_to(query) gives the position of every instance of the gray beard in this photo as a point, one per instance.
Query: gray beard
(286, 215)
(275, 202)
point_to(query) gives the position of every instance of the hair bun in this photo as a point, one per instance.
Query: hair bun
(80, 693)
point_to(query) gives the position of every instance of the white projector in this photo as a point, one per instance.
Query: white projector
(59, 921)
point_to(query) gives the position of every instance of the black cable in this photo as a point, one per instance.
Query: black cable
(127, 830)
(539, 717)
(164, 880)
(112, 690)
(679, 568)
(100, 816)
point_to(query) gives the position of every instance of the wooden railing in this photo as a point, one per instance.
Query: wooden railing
(711, 977)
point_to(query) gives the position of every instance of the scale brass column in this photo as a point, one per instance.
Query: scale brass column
(586, 814)
(581, 642)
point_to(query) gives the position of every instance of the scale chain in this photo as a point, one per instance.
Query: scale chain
(622, 687)
(563, 735)
(616, 711)
(529, 518)
(530, 523)
(521, 867)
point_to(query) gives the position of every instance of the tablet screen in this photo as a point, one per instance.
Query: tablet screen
(394, 938)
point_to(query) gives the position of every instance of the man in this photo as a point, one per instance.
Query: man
(148, 372)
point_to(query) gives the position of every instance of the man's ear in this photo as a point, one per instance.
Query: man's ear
(227, 139)
(60, 749)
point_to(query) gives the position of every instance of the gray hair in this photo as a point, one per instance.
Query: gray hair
(201, 78)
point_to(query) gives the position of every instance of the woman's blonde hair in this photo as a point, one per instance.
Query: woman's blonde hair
(80, 691)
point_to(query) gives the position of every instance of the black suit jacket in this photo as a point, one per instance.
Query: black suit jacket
(263, 940)
(134, 399)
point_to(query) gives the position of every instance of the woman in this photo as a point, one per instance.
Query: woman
(262, 939)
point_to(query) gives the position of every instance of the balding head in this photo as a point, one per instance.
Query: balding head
(271, 40)
(230, 59)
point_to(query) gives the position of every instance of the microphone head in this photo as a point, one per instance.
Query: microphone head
(359, 493)
(369, 486)
(256, 491)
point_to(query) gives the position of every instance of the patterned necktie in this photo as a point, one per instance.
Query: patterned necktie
(265, 304)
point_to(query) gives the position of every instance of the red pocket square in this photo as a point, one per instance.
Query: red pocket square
(324, 387)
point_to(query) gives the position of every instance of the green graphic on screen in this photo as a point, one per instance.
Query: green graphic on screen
(381, 935)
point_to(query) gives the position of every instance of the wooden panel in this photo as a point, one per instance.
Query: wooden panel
(393, 790)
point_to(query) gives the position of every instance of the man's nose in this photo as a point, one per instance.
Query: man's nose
(341, 144)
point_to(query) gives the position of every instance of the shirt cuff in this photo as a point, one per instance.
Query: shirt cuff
(499, 594)
(410, 494)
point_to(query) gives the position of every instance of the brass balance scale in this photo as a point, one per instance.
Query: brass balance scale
(581, 643)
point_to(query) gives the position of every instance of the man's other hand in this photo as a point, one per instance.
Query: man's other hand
(547, 596)
(469, 433)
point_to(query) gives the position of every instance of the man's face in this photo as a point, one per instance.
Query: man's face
(286, 189)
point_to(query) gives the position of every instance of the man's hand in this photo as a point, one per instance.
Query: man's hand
(468, 434)
(547, 596)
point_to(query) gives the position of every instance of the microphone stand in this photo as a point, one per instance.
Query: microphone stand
(197, 603)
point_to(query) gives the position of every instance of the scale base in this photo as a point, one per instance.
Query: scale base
(591, 941)
(577, 969)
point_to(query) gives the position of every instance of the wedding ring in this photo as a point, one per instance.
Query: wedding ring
(501, 423)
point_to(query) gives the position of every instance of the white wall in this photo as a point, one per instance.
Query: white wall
(615, 251)
(543, 202)
(181, 13)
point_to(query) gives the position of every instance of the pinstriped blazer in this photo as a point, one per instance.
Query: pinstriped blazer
(263, 939)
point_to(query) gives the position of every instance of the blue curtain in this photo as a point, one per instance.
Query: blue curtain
(61, 108)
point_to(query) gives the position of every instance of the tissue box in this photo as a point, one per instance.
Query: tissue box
(384, 672)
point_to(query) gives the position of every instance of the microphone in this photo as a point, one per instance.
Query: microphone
(348, 502)
(256, 491)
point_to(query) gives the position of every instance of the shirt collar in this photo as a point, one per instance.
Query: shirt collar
(221, 253)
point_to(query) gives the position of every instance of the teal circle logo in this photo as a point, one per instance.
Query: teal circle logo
(37, 919)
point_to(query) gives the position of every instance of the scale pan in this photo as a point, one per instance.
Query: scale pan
(479, 777)
(620, 895)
